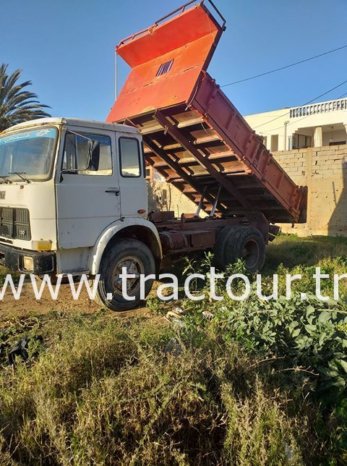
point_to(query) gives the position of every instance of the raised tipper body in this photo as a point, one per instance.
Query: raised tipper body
(194, 136)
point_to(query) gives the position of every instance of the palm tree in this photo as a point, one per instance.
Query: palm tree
(16, 103)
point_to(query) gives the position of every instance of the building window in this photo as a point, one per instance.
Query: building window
(274, 142)
(301, 141)
(336, 143)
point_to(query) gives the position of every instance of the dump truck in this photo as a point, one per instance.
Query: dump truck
(73, 193)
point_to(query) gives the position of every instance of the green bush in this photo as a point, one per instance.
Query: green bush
(304, 342)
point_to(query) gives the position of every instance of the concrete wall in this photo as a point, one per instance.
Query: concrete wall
(323, 170)
(164, 196)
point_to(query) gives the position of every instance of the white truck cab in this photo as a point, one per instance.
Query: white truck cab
(73, 199)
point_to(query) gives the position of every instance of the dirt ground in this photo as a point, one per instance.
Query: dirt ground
(27, 305)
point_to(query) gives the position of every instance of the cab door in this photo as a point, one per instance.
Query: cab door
(132, 183)
(87, 191)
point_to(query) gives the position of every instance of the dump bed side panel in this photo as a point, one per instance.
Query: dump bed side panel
(233, 129)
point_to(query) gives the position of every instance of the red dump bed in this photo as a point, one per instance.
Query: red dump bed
(193, 134)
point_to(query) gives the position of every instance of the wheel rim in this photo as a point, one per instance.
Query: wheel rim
(250, 253)
(134, 266)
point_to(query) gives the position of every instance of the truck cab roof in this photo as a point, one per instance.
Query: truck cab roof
(72, 122)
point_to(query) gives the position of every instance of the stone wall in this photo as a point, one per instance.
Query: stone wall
(323, 170)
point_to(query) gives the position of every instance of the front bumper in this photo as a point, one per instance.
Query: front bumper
(13, 259)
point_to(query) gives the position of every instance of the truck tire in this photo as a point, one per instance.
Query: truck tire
(221, 243)
(138, 259)
(246, 243)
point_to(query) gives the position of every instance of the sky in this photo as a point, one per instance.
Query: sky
(66, 48)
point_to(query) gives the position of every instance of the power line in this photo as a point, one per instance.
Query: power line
(285, 67)
(306, 103)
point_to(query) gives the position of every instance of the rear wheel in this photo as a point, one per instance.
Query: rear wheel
(221, 244)
(242, 242)
(137, 259)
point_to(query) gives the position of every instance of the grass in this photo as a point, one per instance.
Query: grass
(106, 391)
(142, 391)
(292, 251)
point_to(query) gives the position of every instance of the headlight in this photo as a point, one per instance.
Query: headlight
(28, 263)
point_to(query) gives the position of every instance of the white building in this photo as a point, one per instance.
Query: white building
(313, 125)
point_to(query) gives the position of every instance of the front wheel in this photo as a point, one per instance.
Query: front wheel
(137, 259)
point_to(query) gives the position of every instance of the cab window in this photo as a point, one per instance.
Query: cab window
(87, 154)
(129, 156)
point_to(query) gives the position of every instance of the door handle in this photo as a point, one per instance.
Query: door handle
(115, 191)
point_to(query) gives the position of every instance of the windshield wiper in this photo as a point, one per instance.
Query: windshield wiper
(20, 174)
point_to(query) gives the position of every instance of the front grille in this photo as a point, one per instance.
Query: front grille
(15, 223)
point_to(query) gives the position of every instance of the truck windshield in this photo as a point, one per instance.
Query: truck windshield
(27, 155)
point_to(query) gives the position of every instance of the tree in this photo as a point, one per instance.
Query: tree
(16, 103)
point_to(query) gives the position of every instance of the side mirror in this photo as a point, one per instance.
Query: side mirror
(94, 155)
